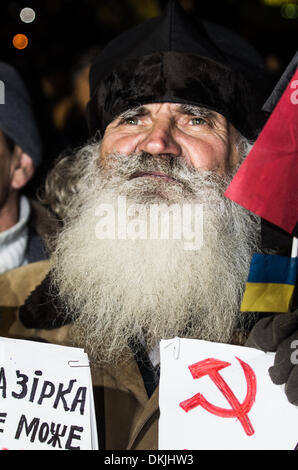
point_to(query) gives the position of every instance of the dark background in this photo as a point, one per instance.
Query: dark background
(64, 29)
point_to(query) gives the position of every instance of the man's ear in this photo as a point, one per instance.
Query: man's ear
(22, 168)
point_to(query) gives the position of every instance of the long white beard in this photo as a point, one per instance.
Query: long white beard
(120, 290)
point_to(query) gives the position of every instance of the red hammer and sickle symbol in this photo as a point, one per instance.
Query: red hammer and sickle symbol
(211, 367)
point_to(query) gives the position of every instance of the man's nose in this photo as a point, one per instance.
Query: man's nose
(160, 140)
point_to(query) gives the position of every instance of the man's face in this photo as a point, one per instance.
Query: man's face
(201, 137)
(5, 169)
(124, 287)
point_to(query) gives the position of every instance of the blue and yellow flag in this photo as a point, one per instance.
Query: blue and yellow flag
(270, 284)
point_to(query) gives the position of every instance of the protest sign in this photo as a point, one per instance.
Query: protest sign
(218, 396)
(46, 397)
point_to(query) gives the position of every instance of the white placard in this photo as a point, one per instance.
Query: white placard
(46, 397)
(225, 400)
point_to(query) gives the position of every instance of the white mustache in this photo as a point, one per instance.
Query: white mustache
(128, 167)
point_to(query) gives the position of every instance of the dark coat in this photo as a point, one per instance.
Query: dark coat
(40, 225)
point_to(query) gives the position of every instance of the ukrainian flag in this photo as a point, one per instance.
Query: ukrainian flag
(270, 284)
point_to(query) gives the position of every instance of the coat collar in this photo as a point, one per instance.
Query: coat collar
(17, 284)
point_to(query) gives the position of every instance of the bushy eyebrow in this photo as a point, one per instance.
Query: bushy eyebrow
(189, 109)
(136, 111)
(193, 110)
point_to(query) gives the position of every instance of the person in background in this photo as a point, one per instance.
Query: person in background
(22, 221)
(69, 115)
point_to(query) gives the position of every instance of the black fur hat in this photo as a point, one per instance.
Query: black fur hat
(172, 58)
(17, 120)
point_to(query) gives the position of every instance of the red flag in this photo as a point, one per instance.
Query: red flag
(267, 181)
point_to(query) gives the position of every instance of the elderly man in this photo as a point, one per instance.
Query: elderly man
(172, 116)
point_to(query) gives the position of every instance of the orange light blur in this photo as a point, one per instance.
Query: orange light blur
(20, 41)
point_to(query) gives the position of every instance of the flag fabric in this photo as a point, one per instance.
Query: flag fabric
(270, 284)
(267, 181)
(267, 185)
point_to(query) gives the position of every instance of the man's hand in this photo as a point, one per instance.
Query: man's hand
(280, 333)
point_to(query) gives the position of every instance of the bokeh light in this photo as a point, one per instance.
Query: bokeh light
(20, 41)
(289, 11)
(27, 15)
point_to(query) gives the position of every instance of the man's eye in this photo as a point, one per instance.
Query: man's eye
(131, 121)
(197, 121)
